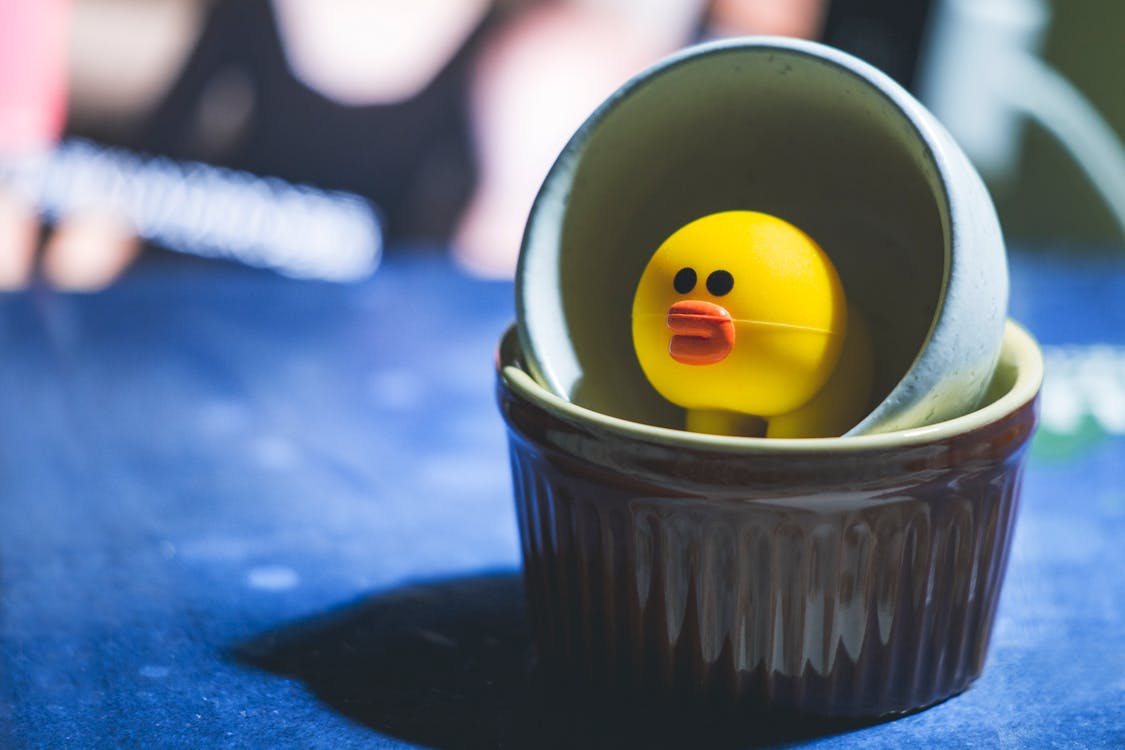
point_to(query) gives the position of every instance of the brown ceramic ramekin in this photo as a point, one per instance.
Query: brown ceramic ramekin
(846, 576)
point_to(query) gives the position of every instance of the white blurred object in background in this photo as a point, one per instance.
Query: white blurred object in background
(203, 210)
(982, 76)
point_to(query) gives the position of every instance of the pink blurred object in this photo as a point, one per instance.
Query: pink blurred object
(32, 73)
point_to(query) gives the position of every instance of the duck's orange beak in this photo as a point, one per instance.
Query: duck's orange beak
(702, 332)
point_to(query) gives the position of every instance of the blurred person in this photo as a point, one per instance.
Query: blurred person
(445, 114)
(549, 68)
(360, 96)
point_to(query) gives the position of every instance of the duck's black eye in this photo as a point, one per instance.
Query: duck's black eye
(720, 282)
(685, 280)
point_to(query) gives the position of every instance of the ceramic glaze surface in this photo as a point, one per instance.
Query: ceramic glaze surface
(855, 582)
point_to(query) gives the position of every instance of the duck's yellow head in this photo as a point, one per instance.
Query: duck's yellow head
(739, 311)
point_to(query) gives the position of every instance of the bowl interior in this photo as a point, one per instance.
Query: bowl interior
(1015, 382)
(754, 127)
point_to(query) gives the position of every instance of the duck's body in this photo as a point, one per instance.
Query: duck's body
(740, 317)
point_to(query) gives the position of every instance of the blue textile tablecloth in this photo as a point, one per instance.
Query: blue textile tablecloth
(243, 511)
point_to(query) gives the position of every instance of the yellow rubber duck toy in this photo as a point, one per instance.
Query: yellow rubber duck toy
(740, 318)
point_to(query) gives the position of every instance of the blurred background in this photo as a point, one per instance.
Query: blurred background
(1049, 199)
(442, 116)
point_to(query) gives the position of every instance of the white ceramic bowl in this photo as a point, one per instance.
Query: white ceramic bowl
(798, 130)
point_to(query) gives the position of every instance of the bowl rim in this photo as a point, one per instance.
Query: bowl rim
(548, 206)
(1020, 349)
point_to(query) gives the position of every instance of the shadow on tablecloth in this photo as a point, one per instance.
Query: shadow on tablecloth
(447, 664)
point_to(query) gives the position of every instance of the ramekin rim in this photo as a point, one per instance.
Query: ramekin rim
(1029, 378)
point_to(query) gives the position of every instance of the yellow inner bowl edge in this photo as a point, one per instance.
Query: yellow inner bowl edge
(1020, 353)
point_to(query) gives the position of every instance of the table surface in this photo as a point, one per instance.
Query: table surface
(242, 511)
